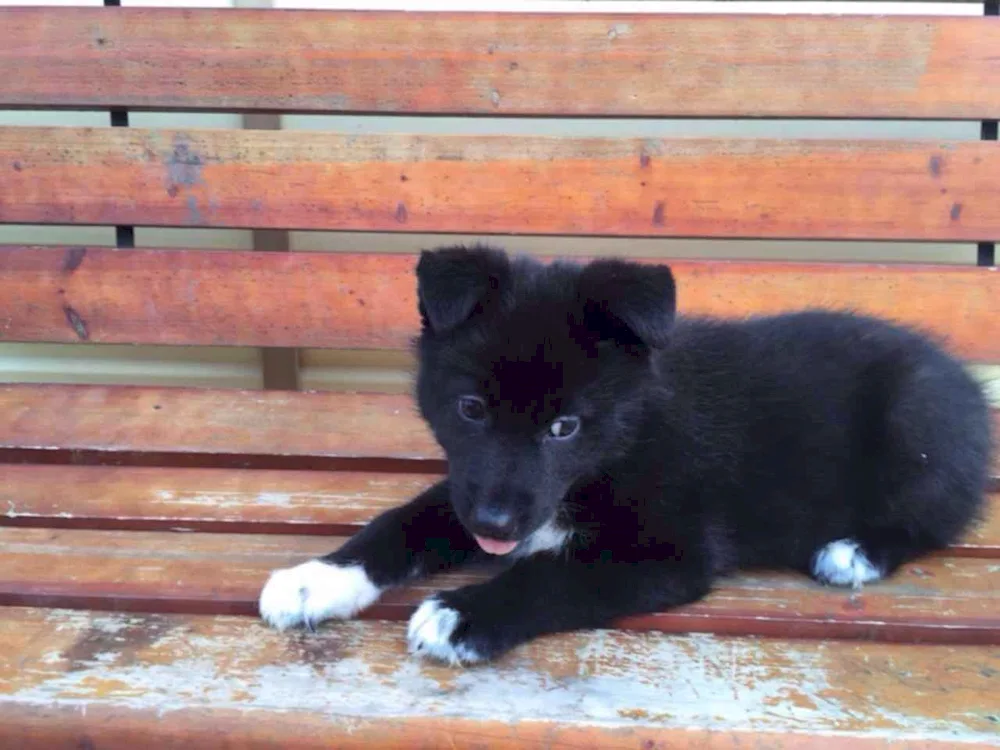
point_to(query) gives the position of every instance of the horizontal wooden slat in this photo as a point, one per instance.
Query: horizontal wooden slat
(249, 500)
(126, 681)
(502, 64)
(182, 420)
(365, 301)
(287, 502)
(918, 190)
(123, 419)
(946, 600)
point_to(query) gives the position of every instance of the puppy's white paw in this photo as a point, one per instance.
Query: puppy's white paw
(844, 563)
(315, 591)
(430, 634)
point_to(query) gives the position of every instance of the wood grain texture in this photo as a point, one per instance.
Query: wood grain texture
(368, 301)
(231, 683)
(941, 600)
(70, 727)
(284, 502)
(501, 64)
(115, 420)
(192, 420)
(867, 189)
(287, 502)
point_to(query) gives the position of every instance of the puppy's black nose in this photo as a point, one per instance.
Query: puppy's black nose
(491, 521)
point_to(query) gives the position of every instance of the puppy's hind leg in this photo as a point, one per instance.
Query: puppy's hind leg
(871, 555)
(925, 458)
(844, 562)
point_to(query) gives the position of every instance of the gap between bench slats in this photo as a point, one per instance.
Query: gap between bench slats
(941, 599)
(501, 64)
(113, 679)
(282, 502)
(847, 189)
(368, 301)
(275, 426)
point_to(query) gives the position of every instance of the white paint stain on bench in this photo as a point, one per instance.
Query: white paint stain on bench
(606, 678)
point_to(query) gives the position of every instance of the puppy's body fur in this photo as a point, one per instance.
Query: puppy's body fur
(829, 443)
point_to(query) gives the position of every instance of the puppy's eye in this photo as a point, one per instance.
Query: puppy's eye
(472, 408)
(564, 427)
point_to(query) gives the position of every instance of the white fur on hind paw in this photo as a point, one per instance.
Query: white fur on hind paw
(844, 563)
(430, 630)
(315, 591)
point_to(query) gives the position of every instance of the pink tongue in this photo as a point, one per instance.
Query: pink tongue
(494, 546)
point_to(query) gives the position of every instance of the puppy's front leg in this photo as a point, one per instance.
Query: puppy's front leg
(421, 537)
(547, 594)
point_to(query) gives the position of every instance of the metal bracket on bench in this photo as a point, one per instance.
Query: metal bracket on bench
(124, 235)
(986, 252)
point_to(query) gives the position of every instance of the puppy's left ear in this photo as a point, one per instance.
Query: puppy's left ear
(629, 302)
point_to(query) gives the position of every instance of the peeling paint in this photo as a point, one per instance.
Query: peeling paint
(361, 671)
(619, 29)
(220, 499)
(183, 163)
(280, 499)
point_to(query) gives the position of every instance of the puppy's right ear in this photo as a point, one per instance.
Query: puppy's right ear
(455, 283)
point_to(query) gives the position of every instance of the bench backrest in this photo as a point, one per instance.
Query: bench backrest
(544, 65)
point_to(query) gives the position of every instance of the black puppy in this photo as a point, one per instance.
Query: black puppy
(621, 460)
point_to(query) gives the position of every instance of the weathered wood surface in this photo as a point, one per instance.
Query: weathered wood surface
(501, 64)
(912, 189)
(285, 502)
(367, 301)
(114, 681)
(205, 421)
(270, 426)
(939, 599)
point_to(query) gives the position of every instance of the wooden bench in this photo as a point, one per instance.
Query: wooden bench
(139, 523)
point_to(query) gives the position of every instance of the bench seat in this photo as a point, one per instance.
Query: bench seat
(113, 680)
(130, 594)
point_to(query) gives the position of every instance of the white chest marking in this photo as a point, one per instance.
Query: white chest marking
(549, 538)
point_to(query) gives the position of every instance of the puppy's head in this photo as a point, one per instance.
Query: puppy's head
(532, 377)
